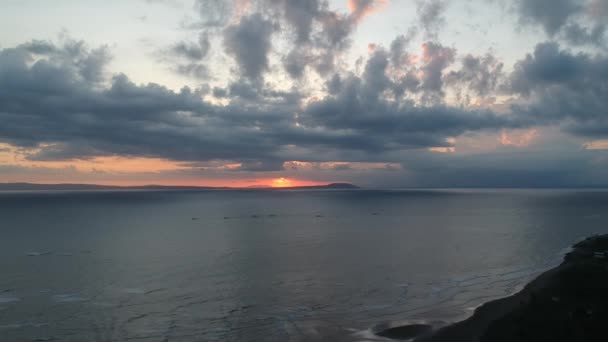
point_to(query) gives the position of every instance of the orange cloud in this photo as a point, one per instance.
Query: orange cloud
(518, 138)
(596, 145)
(360, 9)
(443, 149)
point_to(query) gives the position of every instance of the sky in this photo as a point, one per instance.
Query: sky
(379, 93)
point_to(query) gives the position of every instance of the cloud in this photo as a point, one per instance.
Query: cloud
(362, 8)
(317, 35)
(481, 75)
(213, 13)
(301, 15)
(186, 58)
(598, 9)
(517, 168)
(53, 109)
(552, 15)
(295, 91)
(249, 43)
(574, 22)
(436, 58)
(194, 70)
(398, 48)
(518, 138)
(430, 16)
(576, 34)
(596, 145)
(296, 61)
(50, 105)
(563, 87)
(87, 64)
(549, 66)
(360, 111)
(320, 34)
(192, 51)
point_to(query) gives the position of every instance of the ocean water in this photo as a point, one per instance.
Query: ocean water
(271, 265)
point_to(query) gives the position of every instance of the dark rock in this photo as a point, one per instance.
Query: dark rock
(405, 332)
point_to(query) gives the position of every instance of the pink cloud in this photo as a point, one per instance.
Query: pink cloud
(359, 9)
(521, 138)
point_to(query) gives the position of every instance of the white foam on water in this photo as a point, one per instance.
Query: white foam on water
(11, 326)
(367, 335)
(9, 299)
(135, 291)
(21, 325)
(35, 254)
(67, 298)
(103, 304)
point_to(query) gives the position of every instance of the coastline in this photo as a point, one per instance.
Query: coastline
(566, 303)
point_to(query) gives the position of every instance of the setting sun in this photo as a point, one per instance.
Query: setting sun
(281, 183)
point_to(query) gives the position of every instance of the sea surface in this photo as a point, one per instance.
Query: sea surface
(272, 265)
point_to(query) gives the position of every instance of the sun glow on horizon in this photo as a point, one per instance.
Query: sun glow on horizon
(281, 183)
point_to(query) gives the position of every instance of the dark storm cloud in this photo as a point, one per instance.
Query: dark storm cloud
(506, 169)
(574, 22)
(564, 87)
(552, 15)
(260, 165)
(437, 58)
(73, 55)
(398, 53)
(320, 28)
(52, 103)
(295, 62)
(244, 91)
(51, 97)
(576, 34)
(301, 15)
(249, 43)
(550, 66)
(480, 74)
(358, 106)
(374, 76)
(387, 126)
(319, 33)
(426, 78)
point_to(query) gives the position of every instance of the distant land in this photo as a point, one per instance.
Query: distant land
(93, 187)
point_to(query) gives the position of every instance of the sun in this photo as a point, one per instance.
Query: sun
(281, 183)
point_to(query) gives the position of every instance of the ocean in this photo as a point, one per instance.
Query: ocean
(272, 265)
